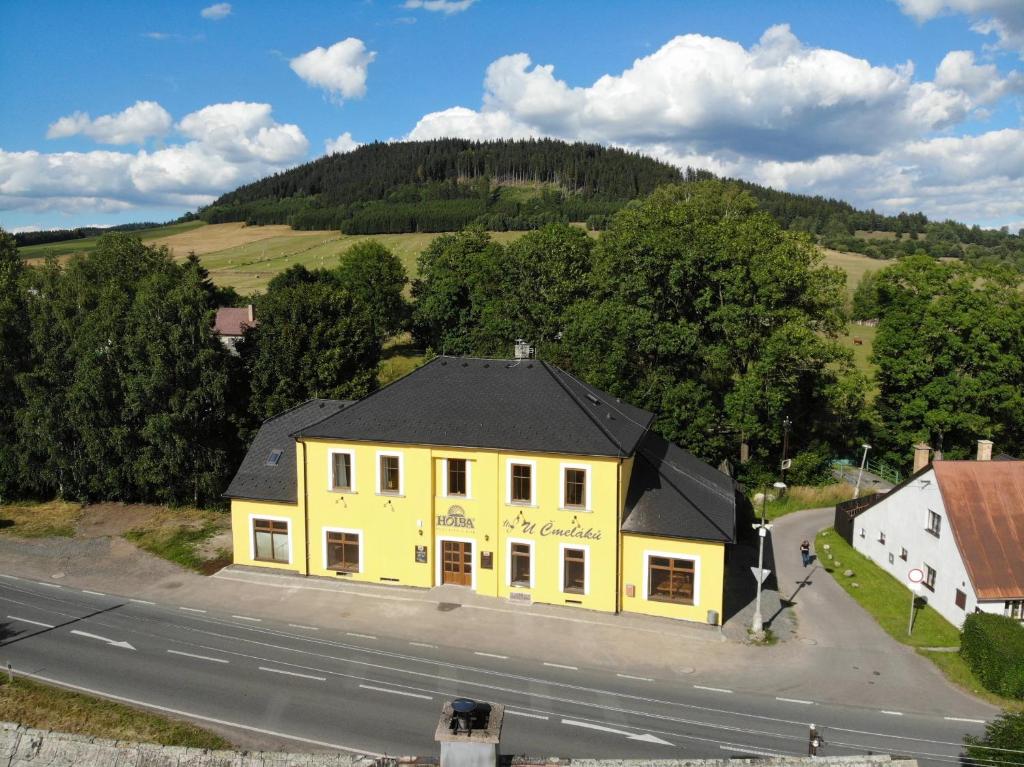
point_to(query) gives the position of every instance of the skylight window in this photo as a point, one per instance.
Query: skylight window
(274, 457)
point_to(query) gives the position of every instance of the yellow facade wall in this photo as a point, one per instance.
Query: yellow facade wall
(709, 576)
(242, 514)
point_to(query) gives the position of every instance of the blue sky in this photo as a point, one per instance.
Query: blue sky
(116, 112)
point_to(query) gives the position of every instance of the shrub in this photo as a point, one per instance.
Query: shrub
(993, 646)
(1003, 740)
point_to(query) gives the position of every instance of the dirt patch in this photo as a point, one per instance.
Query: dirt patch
(115, 519)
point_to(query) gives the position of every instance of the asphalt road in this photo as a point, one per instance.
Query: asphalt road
(313, 689)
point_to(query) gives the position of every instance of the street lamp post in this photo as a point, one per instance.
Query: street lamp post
(860, 474)
(757, 624)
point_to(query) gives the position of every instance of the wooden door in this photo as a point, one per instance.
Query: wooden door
(457, 563)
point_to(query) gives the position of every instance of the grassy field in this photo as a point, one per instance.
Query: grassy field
(798, 498)
(51, 708)
(861, 351)
(34, 253)
(39, 520)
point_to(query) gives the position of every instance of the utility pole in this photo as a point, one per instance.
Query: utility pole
(757, 623)
(813, 742)
(860, 474)
(787, 423)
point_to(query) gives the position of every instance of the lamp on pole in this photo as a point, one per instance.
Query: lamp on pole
(863, 460)
(757, 624)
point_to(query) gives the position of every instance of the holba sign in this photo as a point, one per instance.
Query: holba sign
(455, 517)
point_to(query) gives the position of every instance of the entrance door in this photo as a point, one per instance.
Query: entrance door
(457, 563)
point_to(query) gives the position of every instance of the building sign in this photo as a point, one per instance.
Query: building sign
(552, 530)
(455, 517)
(486, 560)
(421, 554)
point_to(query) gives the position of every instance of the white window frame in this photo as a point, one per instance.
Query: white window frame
(533, 481)
(469, 478)
(508, 563)
(671, 555)
(330, 469)
(348, 530)
(587, 498)
(937, 531)
(439, 548)
(252, 538)
(586, 567)
(401, 471)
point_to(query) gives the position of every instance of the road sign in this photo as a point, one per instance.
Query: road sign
(916, 575)
(765, 572)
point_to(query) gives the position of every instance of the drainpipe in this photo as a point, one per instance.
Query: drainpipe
(305, 504)
(618, 538)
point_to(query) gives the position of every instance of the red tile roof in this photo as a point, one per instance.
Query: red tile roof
(233, 321)
(985, 505)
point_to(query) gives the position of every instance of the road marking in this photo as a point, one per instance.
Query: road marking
(523, 713)
(748, 750)
(51, 585)
(645, 737)
(711, 689)
(10, 577)
(247, 618)
(293, 673)
(142, 601)
(638, 678)
(192, 610)
(300, 626)
(423, 644)
(893, 713)
(796, 700)
(948, 718)
(26, 620)
(94, 593)
(201, 718)
(561, 665)
(361, 636)
(111, 642)
(200, 657)
(491, 655)
(396, 692)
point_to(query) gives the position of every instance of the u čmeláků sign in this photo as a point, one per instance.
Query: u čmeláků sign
(455, 517)
(549, 529)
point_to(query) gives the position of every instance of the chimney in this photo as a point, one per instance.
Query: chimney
(252, 316)
(984, 450)
(921, 456)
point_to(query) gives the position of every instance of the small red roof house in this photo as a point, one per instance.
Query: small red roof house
(230, 324)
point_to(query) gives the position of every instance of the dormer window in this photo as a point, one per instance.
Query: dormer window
(274, 457)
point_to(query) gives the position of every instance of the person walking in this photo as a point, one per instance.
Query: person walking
(805, 552)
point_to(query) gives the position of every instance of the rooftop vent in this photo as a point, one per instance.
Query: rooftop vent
(469, 733)
(523, 350)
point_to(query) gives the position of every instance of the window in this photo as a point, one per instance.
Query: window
(274, 458)
(903, 554)
(574, 571)
(520, 572)
(522, 483)
(1014, 608)
(575, 488)
(270, 540)
(892, 558)
(881, 537)
(390, 474)
(456, 476)
(934, 523)
(341, 471)
(670, 580)
(342, 551)
(863, 532)
(961, 599)
(929, 577)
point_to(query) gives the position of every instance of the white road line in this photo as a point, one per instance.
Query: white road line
(491, 655)
(947, 718)
(94, 593)
(201, 718)
(361, 636)
(247, 618)
(300, 626)
(192, 610)
(424, 644)
(10, 577)
(796, 700)
(893, 713)
(142, 601)
(561, 665)
(200, 657)
(748, 750)
(293, 673)
(396, 692)
(638, 678)
(26, 620)
(112, 642)
(51, 585)
(711, 689)
(523, 713)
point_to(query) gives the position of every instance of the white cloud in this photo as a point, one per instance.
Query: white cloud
(216, 12)
(226, 145)
(1002, 18)
(340, 70)
(447, 7)
(465, 123)
(344, 143)
(981, 83)
(132, 126)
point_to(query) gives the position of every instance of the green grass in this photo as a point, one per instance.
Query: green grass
(39, 520)
(179, 535)
(400, 358)
(44, 707)
(87, 244)
(798, 498)
(957, 671)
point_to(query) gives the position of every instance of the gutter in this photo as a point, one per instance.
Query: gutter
(305, 504)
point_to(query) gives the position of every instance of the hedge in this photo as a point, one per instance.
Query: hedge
(993, 646)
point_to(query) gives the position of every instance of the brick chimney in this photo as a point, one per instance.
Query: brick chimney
(984, 450)
(921, 455)
(252, 315)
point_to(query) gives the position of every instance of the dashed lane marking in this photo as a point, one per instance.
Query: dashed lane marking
(954, 718)
(396, 692)
(293, 673)
(711, 689)
(424, 644)
(142, 601)
(796, 700)
(94, 593)
(247, 618)
(893, 713)
(26, 620)
(199, 657)
(361, 636)
(192, 609)
(51, 585)
(637, 678)
(524, 713)
(300, 626)
(561, 665)
(491, 655)
(748, 750)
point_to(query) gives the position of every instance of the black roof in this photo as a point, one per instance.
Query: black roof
(526, 405)
(673, 493)
(260, 479)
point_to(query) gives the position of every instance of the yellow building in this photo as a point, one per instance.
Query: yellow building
(511, 478)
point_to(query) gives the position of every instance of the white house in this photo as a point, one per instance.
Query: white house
(230, 324)
(962, 524)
